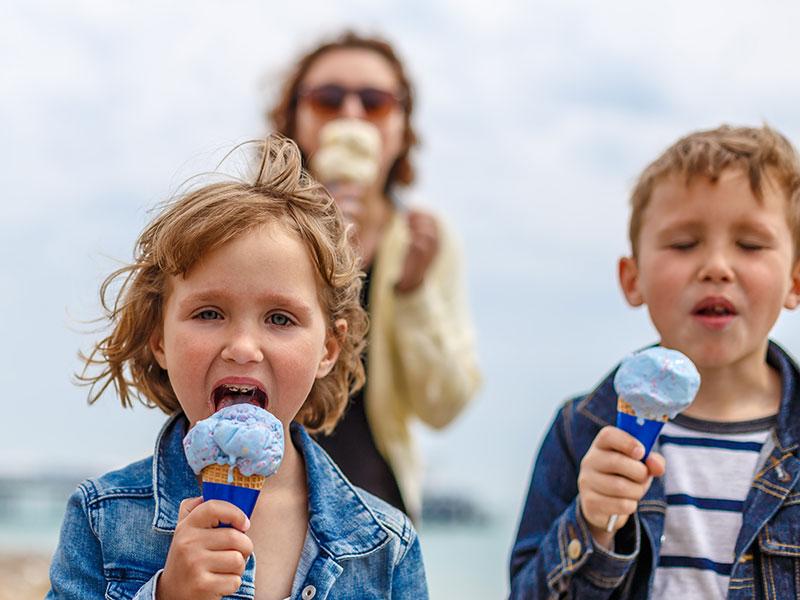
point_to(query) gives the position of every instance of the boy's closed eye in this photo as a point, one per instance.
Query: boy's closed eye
(682, 244)
(753, 236)
(751, 245)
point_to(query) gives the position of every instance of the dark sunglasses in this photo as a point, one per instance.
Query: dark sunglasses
(327, 100)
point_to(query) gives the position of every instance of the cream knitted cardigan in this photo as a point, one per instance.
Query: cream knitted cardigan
(421, 354)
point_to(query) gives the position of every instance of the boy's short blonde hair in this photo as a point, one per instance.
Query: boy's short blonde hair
(760, 152)
(202, 220)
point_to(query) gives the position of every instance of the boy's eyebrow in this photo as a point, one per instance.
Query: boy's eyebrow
(756, 227)
(272, 298)
(695, 225)
(680, 225)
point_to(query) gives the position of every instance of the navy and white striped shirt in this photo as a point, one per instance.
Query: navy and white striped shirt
(710, 468)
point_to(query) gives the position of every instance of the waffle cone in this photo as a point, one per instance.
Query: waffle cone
(624, 407)
(219, 474)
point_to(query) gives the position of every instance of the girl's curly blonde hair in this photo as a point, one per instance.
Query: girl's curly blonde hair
(200, 221)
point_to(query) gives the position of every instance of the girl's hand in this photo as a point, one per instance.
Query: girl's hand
(422, 249)
(204, 561)
(613, 479)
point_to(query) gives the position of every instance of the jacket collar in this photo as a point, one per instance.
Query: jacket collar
(788, 430)
(339, 519)
(173, 478)
(601, 404)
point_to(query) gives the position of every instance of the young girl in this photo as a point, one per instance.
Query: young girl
(249, 284)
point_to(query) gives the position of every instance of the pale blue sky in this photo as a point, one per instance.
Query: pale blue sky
(536, 117)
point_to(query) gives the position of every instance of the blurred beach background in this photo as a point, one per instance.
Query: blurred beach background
(535, 118)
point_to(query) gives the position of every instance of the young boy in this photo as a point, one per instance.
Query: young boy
(715, 238)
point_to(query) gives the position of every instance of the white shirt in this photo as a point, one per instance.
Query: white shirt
(710, 468)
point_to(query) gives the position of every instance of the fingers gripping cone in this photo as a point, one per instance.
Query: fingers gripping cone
(644, 430)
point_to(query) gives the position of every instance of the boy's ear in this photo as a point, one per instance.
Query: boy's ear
(793, 297)
(628, 272)
(332, 347)
(157, 348)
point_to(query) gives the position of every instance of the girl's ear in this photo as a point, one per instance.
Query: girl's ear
(157, 348)
(793, 296)
(628, 272)
(332, 347)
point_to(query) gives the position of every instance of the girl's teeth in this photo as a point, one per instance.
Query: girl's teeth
(240, 389)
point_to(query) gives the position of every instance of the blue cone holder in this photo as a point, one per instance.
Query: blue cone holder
(644, 430)
(244, 498)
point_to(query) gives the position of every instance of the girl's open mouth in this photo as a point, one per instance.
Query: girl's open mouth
(229, 394)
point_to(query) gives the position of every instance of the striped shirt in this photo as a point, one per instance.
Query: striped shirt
(710, 468)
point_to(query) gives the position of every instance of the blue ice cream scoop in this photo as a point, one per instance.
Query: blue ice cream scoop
(234, 451)
(653, 386)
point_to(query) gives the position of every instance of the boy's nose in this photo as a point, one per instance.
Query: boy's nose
(716, 267)
(242, 348)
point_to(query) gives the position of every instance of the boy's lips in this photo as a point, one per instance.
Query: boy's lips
(238, 390)
(714, 312)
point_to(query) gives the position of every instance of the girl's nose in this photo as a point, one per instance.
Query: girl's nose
(716, 267)
(242, 348)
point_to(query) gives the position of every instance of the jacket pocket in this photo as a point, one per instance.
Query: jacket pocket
(779, 543)
(124, 590)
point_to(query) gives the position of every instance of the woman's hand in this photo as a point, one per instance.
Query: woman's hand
(205, 561)
(613, 479)
(348, 197)
(422, 249)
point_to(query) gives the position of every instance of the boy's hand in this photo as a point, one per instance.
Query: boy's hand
(613, 479)
(204, 561)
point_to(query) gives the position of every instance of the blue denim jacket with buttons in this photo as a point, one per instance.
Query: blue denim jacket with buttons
(118, 528)
(554, 556)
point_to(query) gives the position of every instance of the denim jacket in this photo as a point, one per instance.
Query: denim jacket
(554, 556)
(118, 528)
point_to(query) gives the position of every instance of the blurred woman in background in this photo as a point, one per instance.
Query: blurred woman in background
(421, 360)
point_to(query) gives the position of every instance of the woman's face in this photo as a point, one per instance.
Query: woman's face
(352, 69)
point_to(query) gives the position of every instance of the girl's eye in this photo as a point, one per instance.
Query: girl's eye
(208, 314)
(279, 319)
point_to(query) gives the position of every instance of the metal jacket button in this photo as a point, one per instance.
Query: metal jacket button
(574, 549)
